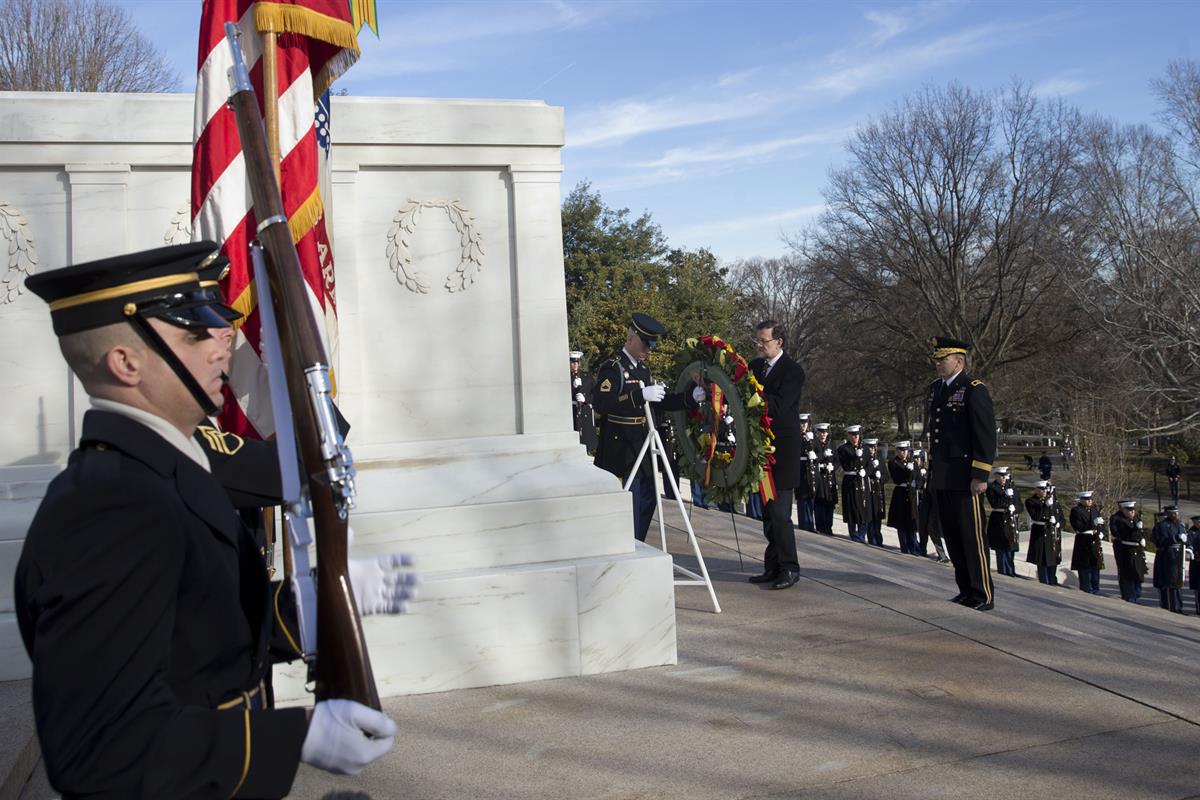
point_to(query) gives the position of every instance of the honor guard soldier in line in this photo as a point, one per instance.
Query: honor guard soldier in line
(623, 388)
(807, 488)
(1172, 471)
(962, 447)
(782, 380)
(1190, 552)
(854, 478)
(1129, 549)
(826, 496)
(874, 493)
(1002, 525)
(1087, 556)
(144, 605)
(928, 527)
(1170, 541)
(1043, 551)
(903, 507)
(582, 385)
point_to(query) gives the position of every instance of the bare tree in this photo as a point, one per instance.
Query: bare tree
(780, 289)
(77, 46)
(946, 220)
(1103, 454)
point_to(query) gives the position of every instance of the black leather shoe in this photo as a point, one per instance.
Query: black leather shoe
(785, 580)
(958, 598)
(983, 606)
(766, 577)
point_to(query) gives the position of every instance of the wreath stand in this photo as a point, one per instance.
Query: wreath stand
(654, 445)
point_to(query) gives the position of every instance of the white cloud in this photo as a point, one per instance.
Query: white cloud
(619, 122)
(734, 78)
(1060, 86)
(724, 227)
(722, 152)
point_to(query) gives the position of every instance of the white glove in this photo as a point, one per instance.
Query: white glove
(1188, 555)
(909, 466)
(877, 476)
(379, 586)
(829, 467)
(730, 437)
(654, 394)
(1012, 509)
(698, 394)
(577, 382)
(862, 473)
(812, 456)
(923, 471)
(728, 420)
(1143, 542)
(1139, 526)
(344, 736)
(1054, 520)
(1008, 492)
(858, 452)
(874, 462)
(1098, 521)
(1182, 538)
(808, 435)
(828, 452)
(579, 397)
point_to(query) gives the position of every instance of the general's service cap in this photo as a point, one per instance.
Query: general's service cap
(945, 346)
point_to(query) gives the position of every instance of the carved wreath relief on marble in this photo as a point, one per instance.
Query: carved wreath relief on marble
(399, 251)
(179, 230)
(22, 254)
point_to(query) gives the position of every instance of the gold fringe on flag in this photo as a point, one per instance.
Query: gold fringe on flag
(280, 18)
(305, 217)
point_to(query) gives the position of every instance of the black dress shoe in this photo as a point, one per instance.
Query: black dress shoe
(785, 580)
(958, 598)
(983, 606)
(766, 577)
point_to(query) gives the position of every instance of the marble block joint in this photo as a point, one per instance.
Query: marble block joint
(450, 360)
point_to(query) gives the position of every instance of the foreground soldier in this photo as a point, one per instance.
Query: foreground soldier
(1087, 556)
(144, 605)
(1129, 550)
(1170, 540)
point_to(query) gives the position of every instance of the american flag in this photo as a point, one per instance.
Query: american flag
(316, 43)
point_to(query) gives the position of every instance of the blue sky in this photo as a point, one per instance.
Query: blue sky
(723, 119)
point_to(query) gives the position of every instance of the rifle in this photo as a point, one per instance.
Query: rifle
(340, 663)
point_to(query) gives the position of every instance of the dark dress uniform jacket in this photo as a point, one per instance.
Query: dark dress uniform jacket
(618, 400)
(144, 605)
(1002, 518)
(1127, 544)
(902, 509)
(962, 443)
(854, 496)
(1193, 542)
(1169, 538)
(782, 389)
(826, 490)
(1087, 553)
(1045, 547)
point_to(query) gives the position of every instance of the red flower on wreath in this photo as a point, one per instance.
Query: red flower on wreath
(740, 371)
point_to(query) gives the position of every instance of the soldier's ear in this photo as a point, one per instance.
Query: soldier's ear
(125, 364)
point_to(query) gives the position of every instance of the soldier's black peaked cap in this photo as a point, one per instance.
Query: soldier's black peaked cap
(945, 346)
(165, 282)
(648, 328)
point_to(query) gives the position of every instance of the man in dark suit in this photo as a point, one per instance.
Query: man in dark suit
(136, 566)
(783, 381)
(962, 447)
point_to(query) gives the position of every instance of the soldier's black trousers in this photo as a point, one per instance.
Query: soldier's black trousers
(962, 520)
(781, 534)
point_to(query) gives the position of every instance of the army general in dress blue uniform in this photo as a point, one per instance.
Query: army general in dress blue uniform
(962, 447)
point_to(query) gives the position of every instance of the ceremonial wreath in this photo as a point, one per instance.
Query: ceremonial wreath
(726, 444)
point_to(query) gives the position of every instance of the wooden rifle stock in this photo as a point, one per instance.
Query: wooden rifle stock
(343, 667)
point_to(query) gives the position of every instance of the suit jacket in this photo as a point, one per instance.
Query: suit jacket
(144, 605)
(962, 433)
(782, 390)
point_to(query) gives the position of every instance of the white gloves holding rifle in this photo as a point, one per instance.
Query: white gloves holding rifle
(345, 736)
(654, 393)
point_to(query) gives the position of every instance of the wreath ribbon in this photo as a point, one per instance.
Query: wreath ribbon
(716, 398)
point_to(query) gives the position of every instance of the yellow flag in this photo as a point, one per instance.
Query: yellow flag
(365, 13)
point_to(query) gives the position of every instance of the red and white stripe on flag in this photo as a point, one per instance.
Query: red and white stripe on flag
(316, 43)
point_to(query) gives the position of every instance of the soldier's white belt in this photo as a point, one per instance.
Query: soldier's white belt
(997, 511)
(1129, 544)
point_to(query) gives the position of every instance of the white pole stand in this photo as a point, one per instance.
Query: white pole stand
(654, 445)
